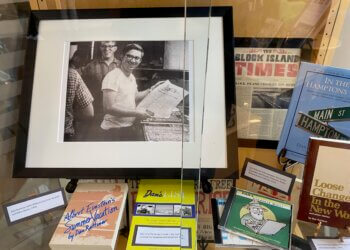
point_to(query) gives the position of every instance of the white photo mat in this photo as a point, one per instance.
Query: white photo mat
(46, 149)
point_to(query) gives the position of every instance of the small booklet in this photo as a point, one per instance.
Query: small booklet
(164, 216)
(257, 217)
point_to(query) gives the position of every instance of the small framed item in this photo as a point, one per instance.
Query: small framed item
(117, 93)
(265, 75)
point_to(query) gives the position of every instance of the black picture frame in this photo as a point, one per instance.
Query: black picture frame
(19, 169)
(304, 44)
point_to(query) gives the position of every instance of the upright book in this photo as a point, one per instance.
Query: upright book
(258, 217)
(325, 195)
(320, 106)
(92, 218)
(162, 217)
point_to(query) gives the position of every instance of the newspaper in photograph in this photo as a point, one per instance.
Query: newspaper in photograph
(163, 99)
(265, 78)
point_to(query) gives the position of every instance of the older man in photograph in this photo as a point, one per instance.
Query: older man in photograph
(93, 74)
(120, 97)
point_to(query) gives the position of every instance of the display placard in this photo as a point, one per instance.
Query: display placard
(33, 206)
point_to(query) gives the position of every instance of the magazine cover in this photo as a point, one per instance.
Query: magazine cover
(92, 217)
(162, 219)
(326, 197)
(320, 106)
(258, 217)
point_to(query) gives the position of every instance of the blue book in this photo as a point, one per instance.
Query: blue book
(320, 106)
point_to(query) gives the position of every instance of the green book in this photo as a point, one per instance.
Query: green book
(258, 217)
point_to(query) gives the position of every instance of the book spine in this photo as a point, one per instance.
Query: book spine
(292, 108)
(227, 208)
(216, 218)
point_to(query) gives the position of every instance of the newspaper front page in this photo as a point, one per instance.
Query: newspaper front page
(265, 78)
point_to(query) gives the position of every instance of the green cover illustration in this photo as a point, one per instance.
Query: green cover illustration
(258, 217)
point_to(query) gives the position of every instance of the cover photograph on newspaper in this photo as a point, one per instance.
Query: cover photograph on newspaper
(128, 91)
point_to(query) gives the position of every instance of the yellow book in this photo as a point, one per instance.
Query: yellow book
(162, 219)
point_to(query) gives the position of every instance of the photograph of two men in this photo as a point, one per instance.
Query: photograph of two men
(129, 91)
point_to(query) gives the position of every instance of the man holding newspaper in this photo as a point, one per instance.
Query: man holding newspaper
(125, 106)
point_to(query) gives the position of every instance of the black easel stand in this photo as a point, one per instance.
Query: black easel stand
(72, 185)
(284, 162)
(206, 186)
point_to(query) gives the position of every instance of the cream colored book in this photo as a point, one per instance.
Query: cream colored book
(92, 218)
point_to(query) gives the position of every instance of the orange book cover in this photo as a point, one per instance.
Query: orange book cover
(92, 217)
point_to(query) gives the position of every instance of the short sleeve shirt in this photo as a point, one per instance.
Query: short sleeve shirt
(93, 74)
(126, 89)
(78, 97)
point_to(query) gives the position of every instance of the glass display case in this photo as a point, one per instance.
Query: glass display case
(222, 72)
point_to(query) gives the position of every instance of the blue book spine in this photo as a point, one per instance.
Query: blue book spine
(317, 87)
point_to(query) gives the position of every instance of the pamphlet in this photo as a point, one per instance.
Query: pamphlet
(161, 218)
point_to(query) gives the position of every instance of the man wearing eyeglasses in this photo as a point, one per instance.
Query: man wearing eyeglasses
(93, 74)
(120, 97)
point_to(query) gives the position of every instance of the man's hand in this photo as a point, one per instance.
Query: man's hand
(142, 115)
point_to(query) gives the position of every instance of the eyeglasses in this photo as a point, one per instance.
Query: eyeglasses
(107, 46)
(130, 57)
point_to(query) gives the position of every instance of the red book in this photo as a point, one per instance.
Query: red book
(325, 196)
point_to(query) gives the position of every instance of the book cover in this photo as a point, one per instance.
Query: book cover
(257, 217)
(162, 217)
(92, 217)
(220, 187)
(223, 238)
(325, 196)
(320, 106)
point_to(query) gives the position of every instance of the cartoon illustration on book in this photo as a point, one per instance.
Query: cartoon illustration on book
(260, 219)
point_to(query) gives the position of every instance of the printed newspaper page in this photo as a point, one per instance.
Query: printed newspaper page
(265, 78)
(162, 100)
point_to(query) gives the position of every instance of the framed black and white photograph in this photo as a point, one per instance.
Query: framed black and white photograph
(127, 93)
